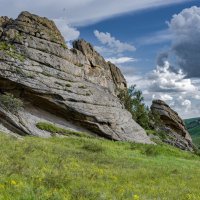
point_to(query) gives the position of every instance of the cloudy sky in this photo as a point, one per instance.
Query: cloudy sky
(156, 43)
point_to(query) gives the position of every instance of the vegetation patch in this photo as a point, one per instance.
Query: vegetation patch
(11, 51)
(193, 127)
(52, 128)
(94, 147)
(10, 103)
(133, 101)
(79, 168)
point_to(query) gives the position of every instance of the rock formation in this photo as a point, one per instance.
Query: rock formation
(75, 88)
(173, 125)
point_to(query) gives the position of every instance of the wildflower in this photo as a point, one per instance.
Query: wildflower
(136, 197)
(13, 182)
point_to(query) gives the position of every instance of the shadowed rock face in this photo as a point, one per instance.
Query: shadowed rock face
(174, 125)
(75, 86)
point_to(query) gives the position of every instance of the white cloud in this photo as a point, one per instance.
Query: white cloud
(68, 32)
(121, 60)
(186, 23)
(163, 97)
(197, 97)
(166, 97)
(79, 12)
(163, 78)
(187, 104)
(185, 30)
(170, 85)
(113, 43)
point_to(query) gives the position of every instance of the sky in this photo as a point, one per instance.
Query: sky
(155, 43)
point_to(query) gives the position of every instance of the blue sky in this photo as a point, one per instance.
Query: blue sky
(133, 27)
(148, 31)
(161, 58)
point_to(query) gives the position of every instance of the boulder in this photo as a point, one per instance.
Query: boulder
(75, 88)
(173, 125)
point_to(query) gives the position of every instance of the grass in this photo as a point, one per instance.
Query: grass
(80, 168)
(52, 128)
(193, 127)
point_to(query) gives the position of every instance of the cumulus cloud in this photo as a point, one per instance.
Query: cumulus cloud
(121, 60)
(68, 32)
(185, 28)
(166, 79)
(111, 42)
(172, 86)
(164, 97)
(187, 104)
(79, 12)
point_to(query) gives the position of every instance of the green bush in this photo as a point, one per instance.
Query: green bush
(9, 102)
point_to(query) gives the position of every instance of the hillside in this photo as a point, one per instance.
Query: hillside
(66, 134)
(193, 126)
(89, 168)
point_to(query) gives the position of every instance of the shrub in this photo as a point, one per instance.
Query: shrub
(133, 101)
(9, 102)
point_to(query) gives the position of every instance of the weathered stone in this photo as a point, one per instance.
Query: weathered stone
(75, 85)
(173, 125)
(118, 78)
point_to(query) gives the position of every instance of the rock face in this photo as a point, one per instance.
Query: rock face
(173, 126)
(75, 88)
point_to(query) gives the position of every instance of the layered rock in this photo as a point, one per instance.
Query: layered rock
(75, 88)
(174, 126)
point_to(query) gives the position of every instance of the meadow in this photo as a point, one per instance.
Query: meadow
(89, 168)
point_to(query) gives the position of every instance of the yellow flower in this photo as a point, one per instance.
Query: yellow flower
(13, 182)
(136, 197)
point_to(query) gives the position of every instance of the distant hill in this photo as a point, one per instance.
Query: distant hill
(193, 126)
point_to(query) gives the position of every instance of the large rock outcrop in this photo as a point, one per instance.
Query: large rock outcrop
(173, 126)
(75, 87)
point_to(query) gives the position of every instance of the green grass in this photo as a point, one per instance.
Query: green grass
(52, 128)
(193, 127)
(80, 168)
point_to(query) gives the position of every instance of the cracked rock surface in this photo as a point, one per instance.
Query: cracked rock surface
(75, 87)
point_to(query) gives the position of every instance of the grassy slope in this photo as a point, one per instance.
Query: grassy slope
(89, 168)
(194, 130)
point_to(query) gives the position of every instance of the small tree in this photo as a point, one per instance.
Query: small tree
(133, 101)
